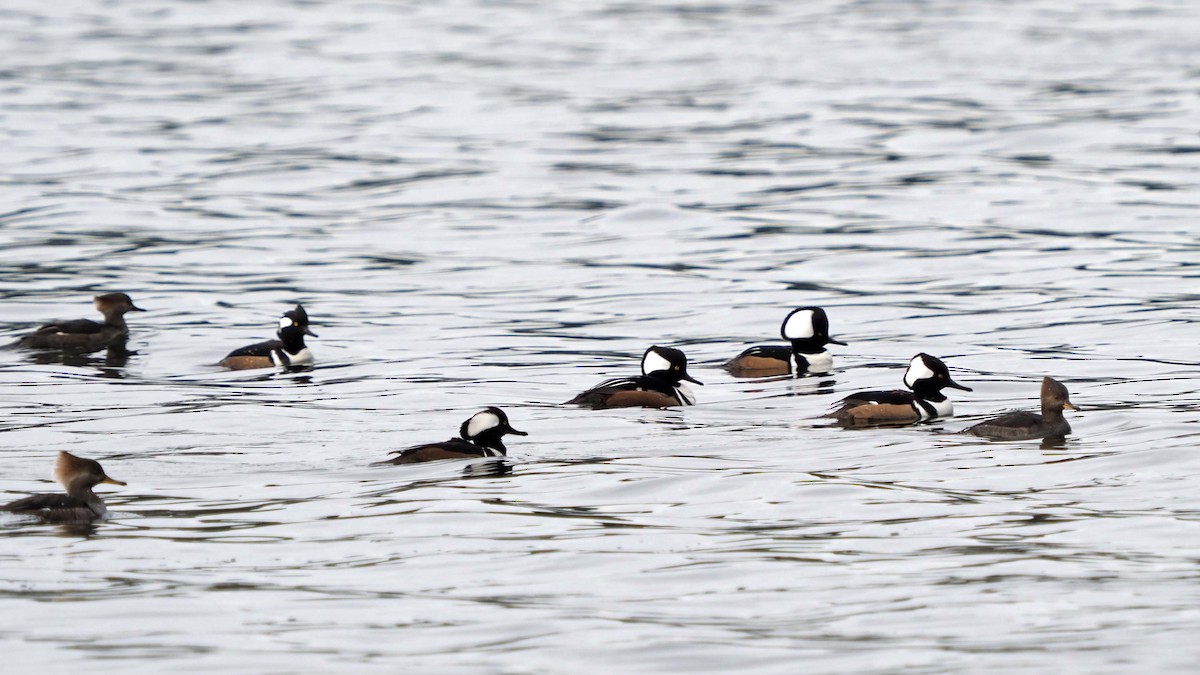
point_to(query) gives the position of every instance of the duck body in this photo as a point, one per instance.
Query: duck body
(479, 436)
(57, 508)
(79, 504)
(455, 448)
(257, 355)
(1023, 425)
(774, 360)
(659, 386)
(896, 405)
(926, 377)
(635, 392)
(288, 351)
(807, 329)
(84, 334)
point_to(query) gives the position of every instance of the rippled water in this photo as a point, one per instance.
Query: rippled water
(502, 203)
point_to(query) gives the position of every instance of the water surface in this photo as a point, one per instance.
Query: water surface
(490, 203)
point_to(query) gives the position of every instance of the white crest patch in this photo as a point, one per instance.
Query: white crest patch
(481, 422)
(799, 326)
(653, 361)
(284, 322)
(917, 370)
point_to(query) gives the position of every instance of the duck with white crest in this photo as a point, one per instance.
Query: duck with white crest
(807, 331)
(660, 385)
(288, 351)
(479, 436)
(926, 377)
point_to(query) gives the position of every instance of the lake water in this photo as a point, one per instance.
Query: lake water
(503, 203)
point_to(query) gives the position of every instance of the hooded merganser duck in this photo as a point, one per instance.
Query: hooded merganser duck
(1022, 425)
(79, 476)
(288, 351)
(660, 385)
(85, 334)
(807, 328)
(479, 436)
(926, 377)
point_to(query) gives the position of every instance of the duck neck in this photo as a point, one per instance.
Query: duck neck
(929, 392)
(293, 341)
(1052, 412)
(813, 345)
(666, 377)
(116, 319)
(490, 441)
(84, 491)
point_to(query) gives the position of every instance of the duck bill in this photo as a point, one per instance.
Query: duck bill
(1067, 405)
(955, 385)
(112, 481)
(691, 379)
(829, 340)
(309, 332)
(135, 308)
(510, 430)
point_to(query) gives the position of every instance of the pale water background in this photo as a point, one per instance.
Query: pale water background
(502, 203)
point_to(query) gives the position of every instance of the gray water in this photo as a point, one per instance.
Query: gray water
(503, 203)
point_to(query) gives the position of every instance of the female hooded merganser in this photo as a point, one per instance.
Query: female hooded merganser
(79, 476)
(479, 437)
(807, 328)
(85, 334)
(926, 377)
(1023, 425)
(660, 385)
(288, 351)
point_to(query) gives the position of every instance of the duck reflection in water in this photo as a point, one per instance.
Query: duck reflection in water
(111, 364)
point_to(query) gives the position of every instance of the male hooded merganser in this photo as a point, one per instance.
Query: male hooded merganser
(288, 351)
(660, 385)
(79, 476)
(85, 334)
(807, 328)
(926, 377)
(1022, 425)
(479, 437)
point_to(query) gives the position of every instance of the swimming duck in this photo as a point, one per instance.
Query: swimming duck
(926, 377)
(479, 436)
(1022, 425)
(85, 334)
(660, 385)
(288, 351)
(80, 504)
(807, 328)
